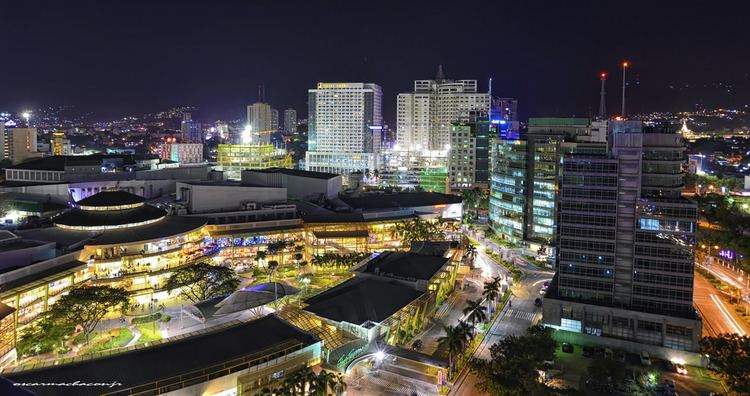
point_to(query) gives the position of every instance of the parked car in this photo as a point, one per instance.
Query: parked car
(567, 348)
(538, 302)
(645, 358)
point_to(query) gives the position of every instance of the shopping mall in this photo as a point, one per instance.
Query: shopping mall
(115, 238)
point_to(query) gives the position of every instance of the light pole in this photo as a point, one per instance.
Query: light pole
(624, 67)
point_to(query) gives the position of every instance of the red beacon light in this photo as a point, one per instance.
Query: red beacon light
(603, 75)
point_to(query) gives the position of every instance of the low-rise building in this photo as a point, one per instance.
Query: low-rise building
(299, 184)
(235, 359)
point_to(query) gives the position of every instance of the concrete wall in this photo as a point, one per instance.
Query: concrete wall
(298, 187)
(27, 255)
(218, 198)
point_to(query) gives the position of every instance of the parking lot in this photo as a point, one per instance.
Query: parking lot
(572, 369)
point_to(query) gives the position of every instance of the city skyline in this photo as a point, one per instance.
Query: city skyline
(548, 56)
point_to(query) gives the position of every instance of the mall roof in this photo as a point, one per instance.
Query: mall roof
(202, 352)
(362, 299)
(87, 218)
(111, 198)
(401, 200)
(298, 172)
(59, 162)
(405, 265)
(164, 228)
(55, 272)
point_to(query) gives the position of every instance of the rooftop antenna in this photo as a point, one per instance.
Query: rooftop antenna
(489, 113)
(624, 67)
(440, 75)
(602, 97)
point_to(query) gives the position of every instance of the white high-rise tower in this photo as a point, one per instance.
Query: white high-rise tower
(425, 115)
(342, 117)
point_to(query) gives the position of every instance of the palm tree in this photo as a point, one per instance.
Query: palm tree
(298, 259)
(454, 341)
(340, 386)
(471, 252)
(260, 256)
(475, 312)
(491, 292)
(466, 331)
(272, 265)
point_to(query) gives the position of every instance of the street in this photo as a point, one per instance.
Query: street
(514, 319)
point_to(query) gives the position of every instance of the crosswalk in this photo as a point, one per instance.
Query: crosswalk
(397, 387)
(518, 314)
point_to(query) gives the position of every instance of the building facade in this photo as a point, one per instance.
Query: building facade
(190, 131)
(290, 121)
(525, 179)
(259, 123)
(468, 158)
(234, 158)
(19, 144)
(342, 118)
(424, 116)
(627, 243)
(185, 153)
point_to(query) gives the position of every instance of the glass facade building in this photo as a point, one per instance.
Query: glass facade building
(626, 242)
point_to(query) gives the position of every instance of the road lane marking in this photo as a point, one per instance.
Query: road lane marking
(727, 315)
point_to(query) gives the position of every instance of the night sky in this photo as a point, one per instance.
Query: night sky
(121, 57)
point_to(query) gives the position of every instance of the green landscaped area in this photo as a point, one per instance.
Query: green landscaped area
(149, 332)
(103, 340)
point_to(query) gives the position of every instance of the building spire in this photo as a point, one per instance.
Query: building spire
(603, 97)
(440, 75)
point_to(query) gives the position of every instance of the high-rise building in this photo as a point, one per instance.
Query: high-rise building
(259, 122)
(627, 244)
(290, 121)
(190, 131)
(468, 157)
(274, 120)
(19, 144)
(342, 118)
(424, 116)
(525, 174)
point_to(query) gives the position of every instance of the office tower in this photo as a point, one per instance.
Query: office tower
(342, 118)
(60, 144)
(290, 121)
(274, 120)
(627, 244)
(19, 144)
(424, 116)
(525, 174)
(259, 122)
(468, 158)
(190, 131)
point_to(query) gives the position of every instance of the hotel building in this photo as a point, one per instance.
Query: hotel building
(342, 117)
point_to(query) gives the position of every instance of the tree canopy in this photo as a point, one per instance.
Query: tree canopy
(513, 366)
(202, 281)
(730, 353)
